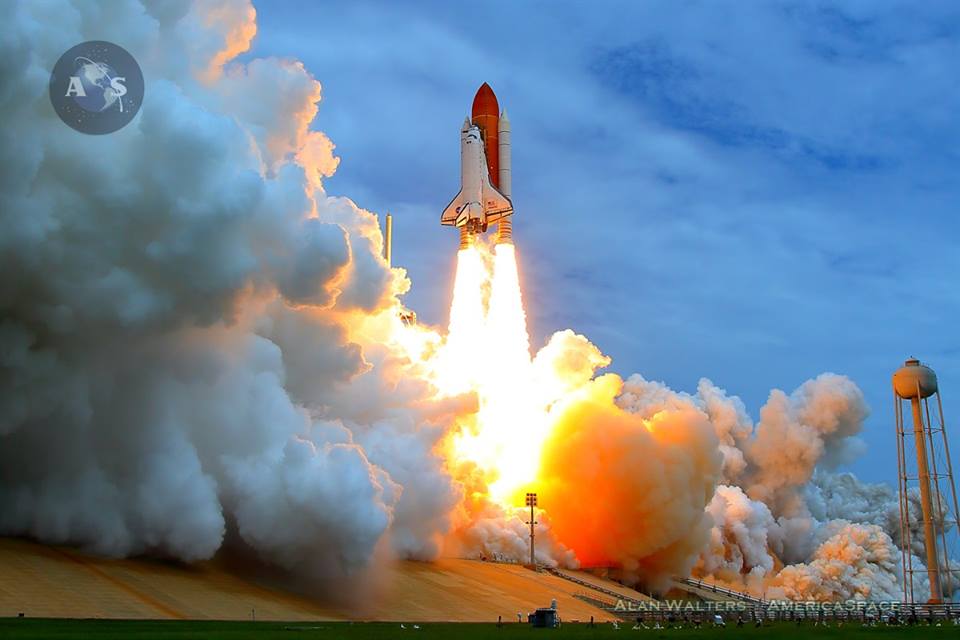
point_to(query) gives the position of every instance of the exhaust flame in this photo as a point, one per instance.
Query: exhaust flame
(512, 424)
(488, 352)
(462, 362)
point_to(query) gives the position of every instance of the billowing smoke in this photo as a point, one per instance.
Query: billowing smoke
(194, 341)
(816, 424)
(627, 491)
(783, 523)
(503, 535)
(851, 562)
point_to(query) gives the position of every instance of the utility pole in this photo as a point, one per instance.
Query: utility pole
(532, 502)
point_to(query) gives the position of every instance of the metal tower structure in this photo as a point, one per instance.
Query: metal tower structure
(532, 503)
(930, 483)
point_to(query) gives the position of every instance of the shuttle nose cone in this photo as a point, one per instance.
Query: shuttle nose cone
(485, 103)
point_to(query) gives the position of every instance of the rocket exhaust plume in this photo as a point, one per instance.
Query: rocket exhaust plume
(462, 362)
(512, 426)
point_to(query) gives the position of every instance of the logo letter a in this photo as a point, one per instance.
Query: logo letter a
(75, 88)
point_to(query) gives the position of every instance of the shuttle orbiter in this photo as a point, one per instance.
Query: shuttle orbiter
(484, 197)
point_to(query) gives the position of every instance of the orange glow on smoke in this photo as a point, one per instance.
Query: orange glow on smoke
(622, 490)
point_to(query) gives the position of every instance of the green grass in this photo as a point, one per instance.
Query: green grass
(185, 630)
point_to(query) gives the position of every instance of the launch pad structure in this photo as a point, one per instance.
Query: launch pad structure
(931, 480)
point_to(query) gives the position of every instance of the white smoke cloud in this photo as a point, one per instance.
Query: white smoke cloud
(727, 414)
(816, 424)
(740, 545)
(178, 313)
(842, 496)
(503, 535)
(852, 562)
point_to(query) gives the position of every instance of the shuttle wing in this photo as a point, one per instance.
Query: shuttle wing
(452, 212)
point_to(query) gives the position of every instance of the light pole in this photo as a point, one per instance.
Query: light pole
(532, 502)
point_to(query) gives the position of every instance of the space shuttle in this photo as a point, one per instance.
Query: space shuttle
(484, 197)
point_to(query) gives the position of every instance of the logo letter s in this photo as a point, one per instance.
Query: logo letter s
(118, 87)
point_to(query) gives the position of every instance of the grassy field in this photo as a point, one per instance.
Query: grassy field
(177, 630)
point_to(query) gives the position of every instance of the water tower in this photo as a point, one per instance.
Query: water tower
(931, 481)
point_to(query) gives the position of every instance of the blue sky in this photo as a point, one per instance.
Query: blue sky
(753, 192)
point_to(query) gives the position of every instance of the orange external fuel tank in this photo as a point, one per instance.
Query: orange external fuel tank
(486, 115)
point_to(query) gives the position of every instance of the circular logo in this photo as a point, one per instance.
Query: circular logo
(96, 87)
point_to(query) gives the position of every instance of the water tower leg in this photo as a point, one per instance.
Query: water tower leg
(929, 535)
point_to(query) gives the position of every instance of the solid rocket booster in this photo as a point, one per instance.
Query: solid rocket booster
(485, 180)
(505, 226)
